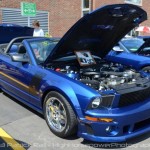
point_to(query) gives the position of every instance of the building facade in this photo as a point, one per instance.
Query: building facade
(57, 16)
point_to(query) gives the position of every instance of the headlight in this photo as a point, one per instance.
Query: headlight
(105, 101)
(96, 102)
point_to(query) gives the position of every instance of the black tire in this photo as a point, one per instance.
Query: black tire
(71, 125)
(146, 69)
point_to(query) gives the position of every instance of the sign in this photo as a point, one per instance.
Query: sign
(28, 9)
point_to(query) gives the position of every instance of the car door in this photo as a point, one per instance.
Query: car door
(17, 78)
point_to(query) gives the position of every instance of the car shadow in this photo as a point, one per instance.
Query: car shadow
(133, 143)
(23, 105)
(113, 145)
(73, 137)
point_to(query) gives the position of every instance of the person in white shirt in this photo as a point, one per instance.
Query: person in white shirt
(37, 30)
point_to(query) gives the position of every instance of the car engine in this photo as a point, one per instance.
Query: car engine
(104, 76)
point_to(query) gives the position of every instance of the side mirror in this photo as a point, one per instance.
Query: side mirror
(117, 49)
(19, 58)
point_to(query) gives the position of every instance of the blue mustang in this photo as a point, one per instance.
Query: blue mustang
(132, 52)
(70, 83)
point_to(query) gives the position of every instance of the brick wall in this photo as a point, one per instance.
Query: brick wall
(99, 3)
(146, 7)
(64, 13)
(16, 4)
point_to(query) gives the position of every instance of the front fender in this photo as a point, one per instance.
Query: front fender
(78, 95)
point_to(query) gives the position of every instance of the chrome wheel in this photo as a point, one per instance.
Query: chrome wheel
(59, 115)
(56, 114)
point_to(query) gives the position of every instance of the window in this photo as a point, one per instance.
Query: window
(135, 2)
(85, 4)
(42, 48)
(85, 7)
(85, 12)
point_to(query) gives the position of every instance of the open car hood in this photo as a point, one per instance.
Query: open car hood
(10, 31)
(99, 30)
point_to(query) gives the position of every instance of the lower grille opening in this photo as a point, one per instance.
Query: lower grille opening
(141, 124)
(126, 129)
(89, 129)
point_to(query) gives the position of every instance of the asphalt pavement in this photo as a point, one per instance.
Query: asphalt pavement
(30, 130)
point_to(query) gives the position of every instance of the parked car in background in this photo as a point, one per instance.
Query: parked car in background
(131, 44)
(143, 37)
(70, 82)
(145, 47)
(132, 51)
(135, 45)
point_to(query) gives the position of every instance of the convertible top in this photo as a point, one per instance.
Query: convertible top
(10, 31)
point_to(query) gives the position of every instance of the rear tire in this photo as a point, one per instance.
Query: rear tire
(59, 115)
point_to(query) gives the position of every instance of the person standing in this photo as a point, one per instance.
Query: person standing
(37, 30)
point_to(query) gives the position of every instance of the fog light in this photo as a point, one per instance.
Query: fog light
(112, 130)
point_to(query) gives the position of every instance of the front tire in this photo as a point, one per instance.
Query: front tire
(59, 115)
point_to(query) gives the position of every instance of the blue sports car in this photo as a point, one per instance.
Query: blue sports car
(69, 82)
(132, 52)
(131, 45)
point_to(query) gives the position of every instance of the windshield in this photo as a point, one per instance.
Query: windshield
(42, 48)
(132, 44)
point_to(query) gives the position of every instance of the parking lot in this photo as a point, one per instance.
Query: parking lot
(22, 128)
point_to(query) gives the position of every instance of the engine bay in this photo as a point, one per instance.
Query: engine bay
(103, 75)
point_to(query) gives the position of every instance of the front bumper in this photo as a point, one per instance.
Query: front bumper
(128, 122)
